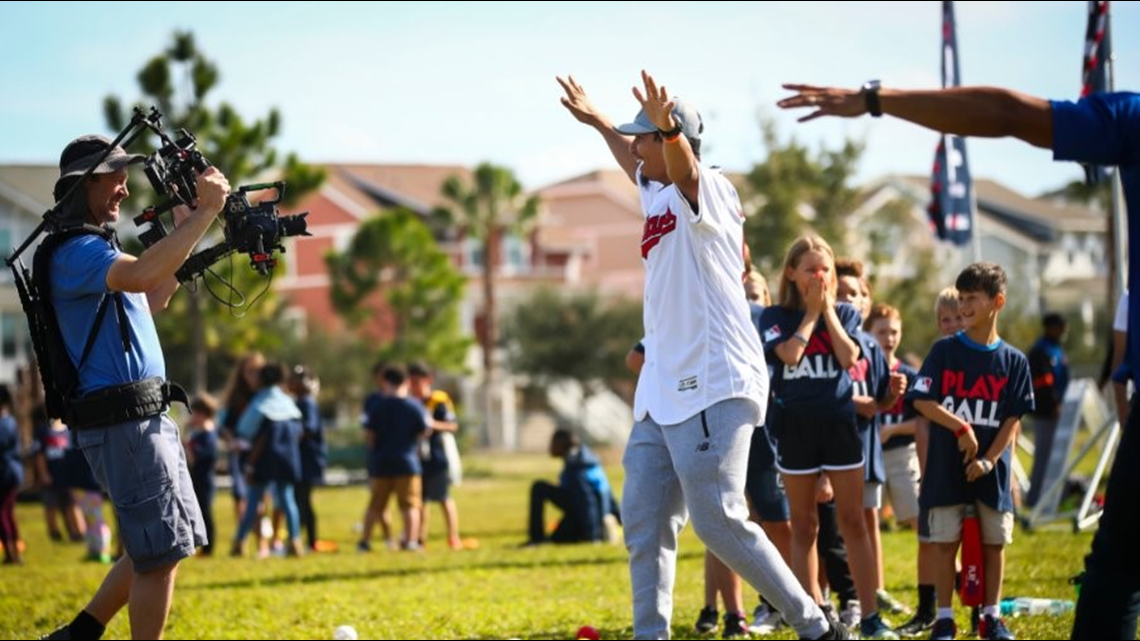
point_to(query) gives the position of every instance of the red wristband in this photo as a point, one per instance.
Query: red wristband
(961, 430)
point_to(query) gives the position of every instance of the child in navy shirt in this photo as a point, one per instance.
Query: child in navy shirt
(811, 342)
(202, 457)
(974, 388)
(874, 390)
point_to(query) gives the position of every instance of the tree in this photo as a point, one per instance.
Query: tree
(393, 272)
(177, 81)
(581, 337)
(793, 189)
(489, 209)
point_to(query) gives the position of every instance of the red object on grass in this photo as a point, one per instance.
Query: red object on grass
(587, 632)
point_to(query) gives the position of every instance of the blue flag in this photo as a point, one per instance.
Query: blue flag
(951, 188)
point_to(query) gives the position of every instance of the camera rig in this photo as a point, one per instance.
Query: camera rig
(256, 230)
(251, 229)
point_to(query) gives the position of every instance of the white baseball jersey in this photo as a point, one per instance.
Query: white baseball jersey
(701, 346)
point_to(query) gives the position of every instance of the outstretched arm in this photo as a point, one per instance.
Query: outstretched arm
(989, 112)
(579, 106)
(680, 163)
(153, 271)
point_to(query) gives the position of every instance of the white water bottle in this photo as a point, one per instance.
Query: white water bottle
(1032, 606)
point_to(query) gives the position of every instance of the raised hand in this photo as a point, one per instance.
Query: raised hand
(655, 102)
(576, 101)
(827, 101)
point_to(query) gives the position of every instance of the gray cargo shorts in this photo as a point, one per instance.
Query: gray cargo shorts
(142, 466)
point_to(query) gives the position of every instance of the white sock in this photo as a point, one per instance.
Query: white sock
(992, 611)
(946, 613)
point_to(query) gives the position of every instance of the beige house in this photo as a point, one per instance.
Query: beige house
(1056, 254)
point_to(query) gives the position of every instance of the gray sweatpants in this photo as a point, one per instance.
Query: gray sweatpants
(698, 467)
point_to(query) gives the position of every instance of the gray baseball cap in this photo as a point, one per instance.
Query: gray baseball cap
(683, 113)
(81, 153)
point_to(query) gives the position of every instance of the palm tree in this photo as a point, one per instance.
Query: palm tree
(494, 206)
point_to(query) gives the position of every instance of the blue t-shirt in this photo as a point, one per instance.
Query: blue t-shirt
(984, 385)
(396, 424)
(53, 446)
(314, 454)
(901, 411)
(11, 469)
(1050, 369)
(870, 377)
(1104, 129)
(78, 283)
(204, 445)
(816, 385)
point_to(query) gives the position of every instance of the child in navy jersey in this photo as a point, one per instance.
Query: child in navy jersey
(811, 342)
(897, 423)
(874, 390)
(974, 388)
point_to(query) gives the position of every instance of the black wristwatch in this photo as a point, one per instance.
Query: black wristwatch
(672, 133)
(871, 97)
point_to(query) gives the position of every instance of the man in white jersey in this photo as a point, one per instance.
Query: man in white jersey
(704, 385)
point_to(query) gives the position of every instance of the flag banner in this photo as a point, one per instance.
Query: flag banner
(951, 187)
(1094, 69)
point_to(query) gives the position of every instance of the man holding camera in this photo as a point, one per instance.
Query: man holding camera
(103, 299)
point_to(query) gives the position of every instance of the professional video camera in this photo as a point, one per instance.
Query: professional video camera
(251, 229)
(171, 168)
(256, 230)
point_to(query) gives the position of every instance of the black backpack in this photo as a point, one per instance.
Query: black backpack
(59, 374)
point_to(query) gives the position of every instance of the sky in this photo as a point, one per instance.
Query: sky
(462, 83)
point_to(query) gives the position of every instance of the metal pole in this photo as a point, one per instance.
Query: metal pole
(1119, 225)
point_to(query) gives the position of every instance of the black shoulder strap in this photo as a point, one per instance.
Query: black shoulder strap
(41, 273)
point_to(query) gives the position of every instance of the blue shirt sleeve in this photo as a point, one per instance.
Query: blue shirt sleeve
(1021, 401)
(79, 266)
(925, 386)
(1102, 129)
(773, 330)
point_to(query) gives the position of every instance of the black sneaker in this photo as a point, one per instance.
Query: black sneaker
(835, 630)
(994, 628)
(916, 627)
(943, 629)
(735, 625)
(63, 633)
(706, 621)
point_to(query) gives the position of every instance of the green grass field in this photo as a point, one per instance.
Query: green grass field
(496, 591)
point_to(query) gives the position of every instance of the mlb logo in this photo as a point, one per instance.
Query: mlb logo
(772, 333)
(922, 384)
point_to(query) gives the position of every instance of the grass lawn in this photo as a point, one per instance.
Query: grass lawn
(495, 591)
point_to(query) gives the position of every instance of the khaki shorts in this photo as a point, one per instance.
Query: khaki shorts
(408, 490)
(946, 524)
(872, 495)
(142, 466)
(901, 465)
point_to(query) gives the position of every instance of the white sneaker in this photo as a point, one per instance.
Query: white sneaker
(766, 620)
(613, 532)
(851, 615)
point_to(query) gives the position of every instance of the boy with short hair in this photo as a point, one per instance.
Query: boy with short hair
(974, 388)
